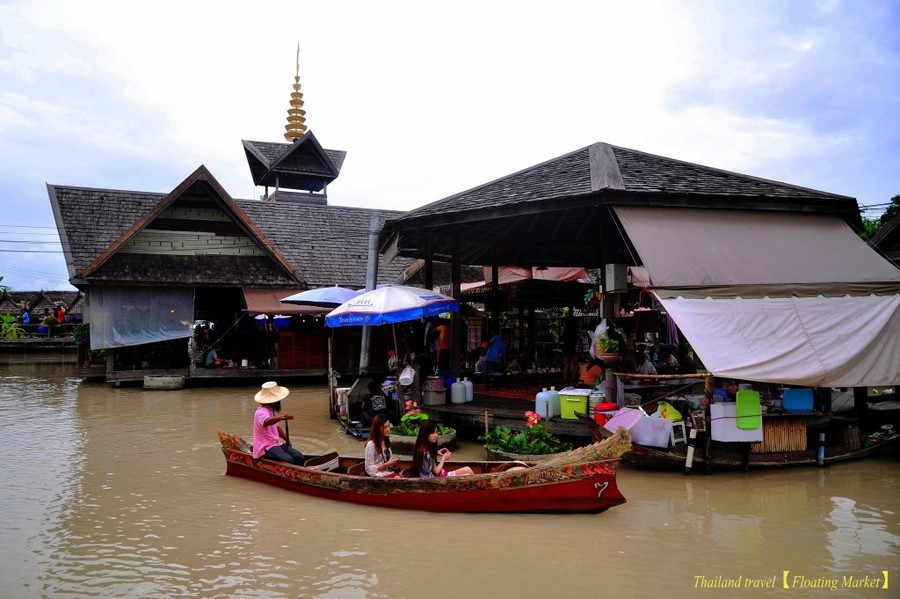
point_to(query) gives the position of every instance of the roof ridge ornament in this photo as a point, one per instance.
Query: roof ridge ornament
(296, 121)
(605, 173)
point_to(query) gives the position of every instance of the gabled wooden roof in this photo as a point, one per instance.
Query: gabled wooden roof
(10, 304)
(887, 240)
(303, 164)
(303, 245)
(49, 301)
(77, 213)
(558, 213)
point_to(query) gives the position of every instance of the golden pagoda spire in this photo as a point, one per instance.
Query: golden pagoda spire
(296, 121)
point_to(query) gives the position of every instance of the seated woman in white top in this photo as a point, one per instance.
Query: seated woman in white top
(379, 461)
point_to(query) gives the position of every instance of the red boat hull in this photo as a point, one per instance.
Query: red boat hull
(584, 487)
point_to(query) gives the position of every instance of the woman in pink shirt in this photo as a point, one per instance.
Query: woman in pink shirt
(269, 440)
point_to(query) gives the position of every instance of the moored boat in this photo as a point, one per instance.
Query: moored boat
(742, 456)
(163, 382)
(582, 480)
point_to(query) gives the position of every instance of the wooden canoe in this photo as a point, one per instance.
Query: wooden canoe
(580, 481)
(737, 456)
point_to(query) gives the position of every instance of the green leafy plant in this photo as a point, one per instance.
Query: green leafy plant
(608, 345)
(49, 321)
(10, 329)
(81, 333)
(412, 419)
(535, 439)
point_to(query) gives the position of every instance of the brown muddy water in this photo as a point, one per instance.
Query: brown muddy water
(121, 492)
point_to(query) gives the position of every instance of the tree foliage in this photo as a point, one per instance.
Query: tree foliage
(872, 225)
(892, 210)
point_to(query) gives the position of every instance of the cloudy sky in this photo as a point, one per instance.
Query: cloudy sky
(429, 99)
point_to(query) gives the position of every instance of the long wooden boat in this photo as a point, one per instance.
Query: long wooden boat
(582, 480)
(738, 456)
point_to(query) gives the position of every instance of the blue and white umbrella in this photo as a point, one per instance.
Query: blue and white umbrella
(322, 297)
(390, 304)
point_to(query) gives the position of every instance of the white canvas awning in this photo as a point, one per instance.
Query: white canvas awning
(788, 298)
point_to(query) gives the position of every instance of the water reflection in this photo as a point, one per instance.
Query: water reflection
(120, 492)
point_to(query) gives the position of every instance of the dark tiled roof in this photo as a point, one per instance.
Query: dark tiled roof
(272, 151)
(641, 173)
(191, 271)
(39, 301)
(303, 164)
(560, 212)
(327, 245)
(90, 220)
(648, 173)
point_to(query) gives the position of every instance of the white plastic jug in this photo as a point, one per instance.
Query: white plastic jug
(542, 403)
(470, 389)
(458, 392)
(553, 409)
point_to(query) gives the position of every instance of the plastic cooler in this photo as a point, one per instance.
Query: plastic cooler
(573, 400)
(434, 397)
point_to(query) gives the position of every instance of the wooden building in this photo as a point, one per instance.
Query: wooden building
(171, 276)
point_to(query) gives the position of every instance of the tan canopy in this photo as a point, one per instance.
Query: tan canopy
(268, 301)
(788, 298)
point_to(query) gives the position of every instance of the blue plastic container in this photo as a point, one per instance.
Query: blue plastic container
(797, 400)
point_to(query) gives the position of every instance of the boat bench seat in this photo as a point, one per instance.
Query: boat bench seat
(357, 469)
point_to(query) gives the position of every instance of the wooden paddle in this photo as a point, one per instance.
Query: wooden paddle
(287, 433)
(597, 428)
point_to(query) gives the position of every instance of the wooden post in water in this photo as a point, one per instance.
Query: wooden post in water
(708, 393)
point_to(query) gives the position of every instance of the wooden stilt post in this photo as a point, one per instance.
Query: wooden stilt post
(707, 441)
(689, 460)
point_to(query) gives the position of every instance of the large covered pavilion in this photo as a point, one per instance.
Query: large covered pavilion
(709, 238)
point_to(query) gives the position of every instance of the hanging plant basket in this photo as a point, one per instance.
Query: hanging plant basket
(609, 357)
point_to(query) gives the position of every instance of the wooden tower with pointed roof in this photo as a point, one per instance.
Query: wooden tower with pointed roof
(302, 165)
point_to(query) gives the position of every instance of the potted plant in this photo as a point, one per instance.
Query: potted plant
(403, 435)
(46, 324)
(608, 349)
(533, 443)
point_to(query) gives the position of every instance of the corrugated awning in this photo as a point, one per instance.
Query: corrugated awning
(788, 298)
(267, 301)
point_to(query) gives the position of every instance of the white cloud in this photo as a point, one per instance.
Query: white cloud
(432, 99)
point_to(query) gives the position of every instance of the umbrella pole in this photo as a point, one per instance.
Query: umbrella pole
(397, 355)
(396, 348)
(332, 409)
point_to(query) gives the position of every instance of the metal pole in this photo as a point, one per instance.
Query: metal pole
(371, 278)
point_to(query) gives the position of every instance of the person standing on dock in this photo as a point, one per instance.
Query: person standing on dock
(269, 440)
(496, 353)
